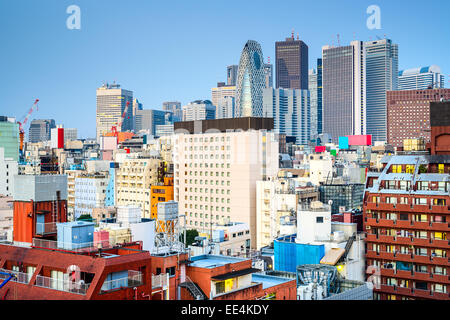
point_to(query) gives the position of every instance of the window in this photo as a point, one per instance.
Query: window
(319, 219)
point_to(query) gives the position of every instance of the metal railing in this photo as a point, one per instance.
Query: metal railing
(20, 277)
(77, 247)
(62, 285)
(45, 228)
(133, 279)
(160, 280)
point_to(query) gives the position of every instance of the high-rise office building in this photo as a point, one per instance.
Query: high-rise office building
(111, 103)
(312, 85)
(222, 91)
(291, 63)
(381, 76)
(136, 106)
(268, 75)
(199, 110)
(40, 130)
(408, 114)
(290, 110)
(175, 108)
(9, 137)
(421, 78)
(232, 75)
(148, 119)
(343, 92)
(225, 108)
(223, 97)
(250, 81)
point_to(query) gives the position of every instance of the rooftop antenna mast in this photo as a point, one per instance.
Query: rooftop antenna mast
(298, 37)
(338, 41)
(292, 35)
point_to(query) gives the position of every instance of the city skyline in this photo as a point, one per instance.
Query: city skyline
(63, 74)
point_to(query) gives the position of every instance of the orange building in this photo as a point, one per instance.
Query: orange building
(121, 136)
(160, 193)
(40, 201)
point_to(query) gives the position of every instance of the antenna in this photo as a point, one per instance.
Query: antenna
(268, 60)
(298, 37)
(292, 34)
(338, 42)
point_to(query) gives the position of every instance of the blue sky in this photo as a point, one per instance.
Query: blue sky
(178, 50)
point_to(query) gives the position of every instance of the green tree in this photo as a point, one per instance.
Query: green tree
(190, 236)
(85, 217)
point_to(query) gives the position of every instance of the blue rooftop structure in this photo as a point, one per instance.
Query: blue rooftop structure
(213, 261)
(288, 254)
(268, 281)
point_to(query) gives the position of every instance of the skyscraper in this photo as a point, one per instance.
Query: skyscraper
(250, 81)
(268, 75)
(40, 130)
(312, 85)
(175, 108)
(421, 78)
(343, 90)
(290, 110)
(381, 75)
(111, 103)
(232, 75)
(136, 106)
(148, 120)
(199, 110)
(291, 63)
(220, 92)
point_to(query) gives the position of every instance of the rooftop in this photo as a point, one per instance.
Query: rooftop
(268, 281)
(213, 261)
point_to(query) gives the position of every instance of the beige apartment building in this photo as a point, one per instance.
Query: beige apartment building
(71, 176)
(133, 182)
(216, 173)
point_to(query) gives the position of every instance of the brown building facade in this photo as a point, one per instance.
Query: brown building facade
(408, 114)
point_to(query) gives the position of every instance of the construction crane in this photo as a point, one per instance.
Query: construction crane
(116, 129)
(21, 126)
(9, 277)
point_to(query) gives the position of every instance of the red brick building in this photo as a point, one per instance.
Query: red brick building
(407, 220)
(229, 278)
(114, 274)
(408, 114)
(440, 128)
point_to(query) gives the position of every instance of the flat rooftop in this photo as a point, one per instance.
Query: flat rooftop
(268, 281)
(213, 261)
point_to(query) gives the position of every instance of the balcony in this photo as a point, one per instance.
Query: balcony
(134, 279)
(420, 293)
(371, 206)
(440, 226)
(62, 285)
(385, 223)
(403, 207)
(20, 277)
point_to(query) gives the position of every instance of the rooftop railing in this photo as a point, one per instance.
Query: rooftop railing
(45, 228)
(77, 247)
(62, 285)
(160, 280)
(133, 279)
(20, 277)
